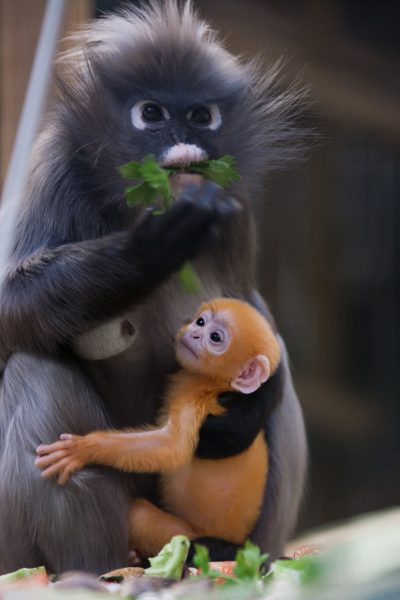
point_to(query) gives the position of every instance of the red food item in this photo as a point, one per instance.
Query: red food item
(226, 567)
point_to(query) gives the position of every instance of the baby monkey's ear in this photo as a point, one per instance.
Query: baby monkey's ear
(255, 372)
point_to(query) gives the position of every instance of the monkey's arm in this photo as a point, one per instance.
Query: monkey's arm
(153, 450)
(54, 294)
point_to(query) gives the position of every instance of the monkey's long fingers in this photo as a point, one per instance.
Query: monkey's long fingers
(54, 469)
(185, 218)
(67, 436)
(193, 218)
(211, 196)
(50, 448)
(49, 459)
(160, 245)
(67, 472)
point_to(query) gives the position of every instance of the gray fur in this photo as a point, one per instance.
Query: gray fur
(81, 257)
(287, 470)
(78, 527)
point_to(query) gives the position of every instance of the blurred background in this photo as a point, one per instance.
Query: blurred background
(329, 229)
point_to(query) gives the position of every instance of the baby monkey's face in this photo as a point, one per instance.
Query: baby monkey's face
(229, 342)
(208, 334)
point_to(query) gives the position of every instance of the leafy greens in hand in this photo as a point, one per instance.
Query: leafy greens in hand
(155, 185)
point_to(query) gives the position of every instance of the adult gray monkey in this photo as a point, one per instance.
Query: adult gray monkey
(91, 303)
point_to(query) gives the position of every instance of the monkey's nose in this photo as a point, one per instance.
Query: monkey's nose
(177, 135)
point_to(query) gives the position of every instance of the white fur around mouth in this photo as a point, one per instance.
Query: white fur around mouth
(182, 155)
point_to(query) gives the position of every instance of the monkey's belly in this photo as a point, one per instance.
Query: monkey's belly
(220, 498)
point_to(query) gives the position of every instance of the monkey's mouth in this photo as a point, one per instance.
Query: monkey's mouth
(181, 156)
(179, 181)
(188, 347)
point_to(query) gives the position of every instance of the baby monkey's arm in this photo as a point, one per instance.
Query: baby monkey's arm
(152, 450)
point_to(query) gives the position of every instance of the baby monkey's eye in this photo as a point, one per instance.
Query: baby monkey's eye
(215, 337)
(200, 322)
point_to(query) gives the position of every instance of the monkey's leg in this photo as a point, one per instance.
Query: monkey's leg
(150, 528)
(79, 526)
(287, 447)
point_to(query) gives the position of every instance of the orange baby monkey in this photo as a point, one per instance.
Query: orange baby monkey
(228, 346)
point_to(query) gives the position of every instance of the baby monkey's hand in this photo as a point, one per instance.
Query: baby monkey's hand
(62, 458)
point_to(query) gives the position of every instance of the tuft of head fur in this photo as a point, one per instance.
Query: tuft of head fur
(165, 47)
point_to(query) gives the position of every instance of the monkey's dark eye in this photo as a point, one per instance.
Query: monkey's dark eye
(215, 337)
(205, 116)
(200, 115)
(200, 322)
(152, 113)
(146, 113)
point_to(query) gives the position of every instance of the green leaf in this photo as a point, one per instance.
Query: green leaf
(132, 170)
(155, 186)
(201, 559)
(221, 171)
(155, 180)
(189, 279)
(249, 561)
(142, 194)
(299, 571)
(170, 561)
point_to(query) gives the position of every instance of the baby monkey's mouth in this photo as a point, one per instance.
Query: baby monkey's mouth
(188, 346)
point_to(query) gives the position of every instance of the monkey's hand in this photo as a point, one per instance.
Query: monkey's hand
(161, 244)
(65, 457)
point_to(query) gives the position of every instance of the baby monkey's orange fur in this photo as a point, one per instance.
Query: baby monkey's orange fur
(201, 497)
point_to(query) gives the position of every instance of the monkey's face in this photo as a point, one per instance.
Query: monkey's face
(178, 126)
(155, 80)
(211, 344)
(226, 338)
(175, 104)
(207, 336)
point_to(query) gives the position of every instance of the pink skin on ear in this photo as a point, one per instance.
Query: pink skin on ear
(253, 375)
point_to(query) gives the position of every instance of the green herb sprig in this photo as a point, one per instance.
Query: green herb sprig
(154, 186)
(249, 561)
(171, 559)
